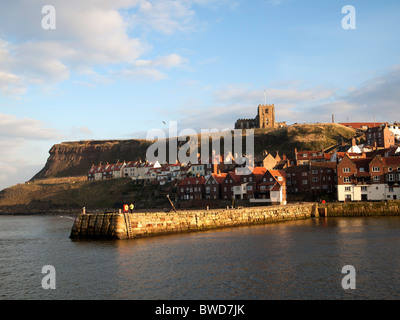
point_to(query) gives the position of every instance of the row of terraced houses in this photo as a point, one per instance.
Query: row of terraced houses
(349, 173)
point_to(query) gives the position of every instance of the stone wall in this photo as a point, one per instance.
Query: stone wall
(352, 209)
(132, 226)
(99, 225)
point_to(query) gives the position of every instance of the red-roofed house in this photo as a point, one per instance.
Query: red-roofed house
(380, 137)
(362, 125)
(305, 157)
(272, 188)
(213, 186)
(231, 180)
(191, 188)
(118, 170)
(91, 173)
(375, 179)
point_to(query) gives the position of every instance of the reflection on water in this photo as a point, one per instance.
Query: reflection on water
(292, 260)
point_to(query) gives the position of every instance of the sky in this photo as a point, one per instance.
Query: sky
(100, 69)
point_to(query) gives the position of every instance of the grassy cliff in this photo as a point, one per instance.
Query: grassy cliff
(62, 184)
(75, 158)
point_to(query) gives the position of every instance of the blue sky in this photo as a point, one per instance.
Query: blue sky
(116, 69)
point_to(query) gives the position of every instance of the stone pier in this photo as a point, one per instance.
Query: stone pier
(140, 225)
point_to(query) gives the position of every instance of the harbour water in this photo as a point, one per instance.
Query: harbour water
(290, 260)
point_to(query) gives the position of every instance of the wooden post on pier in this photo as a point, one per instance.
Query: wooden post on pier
(172, 205)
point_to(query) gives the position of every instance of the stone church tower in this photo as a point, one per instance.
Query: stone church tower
(265, 119)
(266, 116)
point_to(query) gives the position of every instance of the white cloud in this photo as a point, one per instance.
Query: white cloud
(28, 129)
(88, 34)
(23, 144)
(168, 62)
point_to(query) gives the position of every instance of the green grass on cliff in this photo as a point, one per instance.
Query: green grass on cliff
(66, 195)
(301, 136)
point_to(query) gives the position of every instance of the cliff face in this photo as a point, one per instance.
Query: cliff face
(76, 158)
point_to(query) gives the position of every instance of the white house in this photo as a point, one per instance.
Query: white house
(395, 128)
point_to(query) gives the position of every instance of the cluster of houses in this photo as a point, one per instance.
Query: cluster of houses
(369, 172)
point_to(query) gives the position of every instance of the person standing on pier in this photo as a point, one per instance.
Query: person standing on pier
(131, 207)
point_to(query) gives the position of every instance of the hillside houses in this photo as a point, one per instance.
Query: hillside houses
(376, 178)
(348, 172)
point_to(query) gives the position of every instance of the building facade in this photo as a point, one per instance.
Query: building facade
(370, 179)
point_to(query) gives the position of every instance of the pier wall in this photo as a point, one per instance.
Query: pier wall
(360, 209)
(139, 225)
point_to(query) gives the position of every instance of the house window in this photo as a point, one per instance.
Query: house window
(346, 180)
(364, 188)
(391, 189)
(390, 169)
(251, 179)
(362, 170)
(376, 169)
(304, 181)
(376, 179)
(304, 174)
(391, 177)
(346, 170)
(249, 188)
(347, 189)
(315, 172)
(244, 179)
(315, 179)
